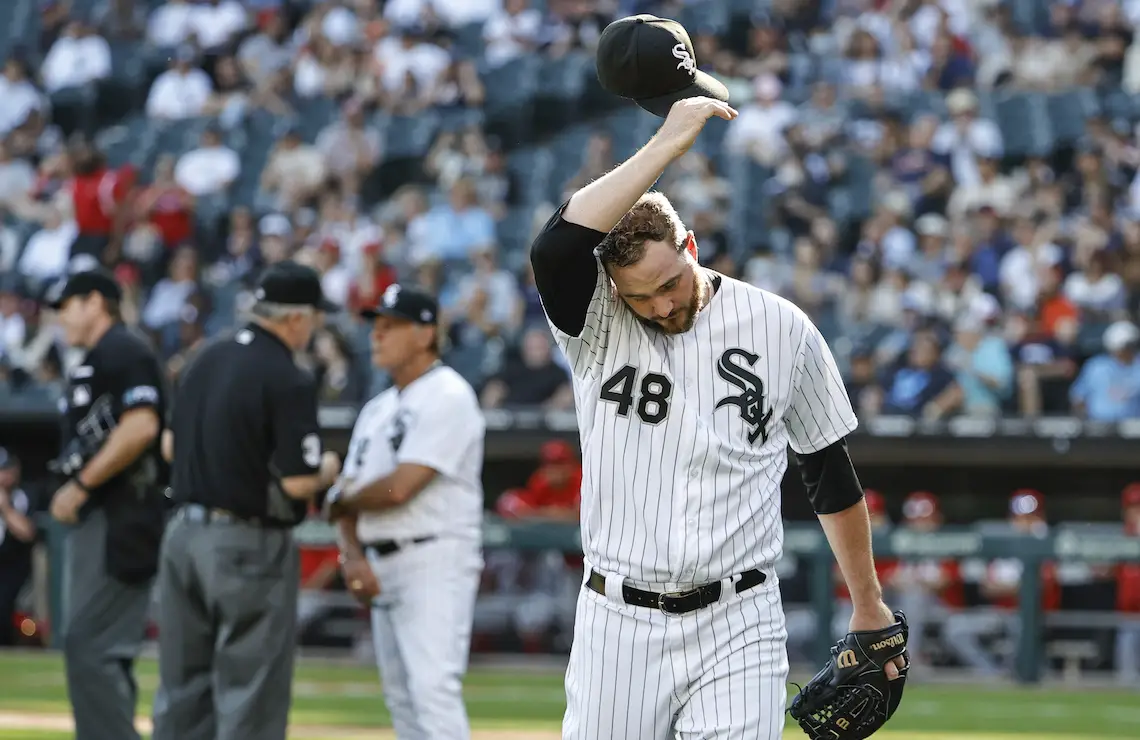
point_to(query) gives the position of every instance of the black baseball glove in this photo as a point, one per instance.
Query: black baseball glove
(851, 698)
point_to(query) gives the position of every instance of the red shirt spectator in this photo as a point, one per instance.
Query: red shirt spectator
(167, 206)
(97, 196)
(374, 279)
(1128, 574)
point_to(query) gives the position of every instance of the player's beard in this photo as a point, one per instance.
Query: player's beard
(687, 316)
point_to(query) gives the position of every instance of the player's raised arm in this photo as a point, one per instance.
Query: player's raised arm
(565, 269)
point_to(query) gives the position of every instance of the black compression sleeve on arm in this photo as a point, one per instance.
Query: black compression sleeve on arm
(830, 479)
(566, 271)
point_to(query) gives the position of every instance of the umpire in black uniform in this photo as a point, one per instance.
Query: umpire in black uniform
(246, 461)
(112, 421)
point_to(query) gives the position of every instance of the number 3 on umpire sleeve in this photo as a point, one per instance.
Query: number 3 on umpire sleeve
(653, 401)
(311, 450)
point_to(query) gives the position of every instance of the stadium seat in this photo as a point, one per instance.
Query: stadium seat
(1068, 112)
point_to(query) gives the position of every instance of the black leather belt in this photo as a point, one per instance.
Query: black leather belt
(387, 547)
(210, 514)
(678, 602)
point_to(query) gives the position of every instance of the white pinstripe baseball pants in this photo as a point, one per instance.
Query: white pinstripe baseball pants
(718, 673)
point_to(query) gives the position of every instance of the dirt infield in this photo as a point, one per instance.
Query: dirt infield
(63, 723)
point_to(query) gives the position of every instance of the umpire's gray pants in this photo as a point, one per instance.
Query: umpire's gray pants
(227, 619)
(104, 626)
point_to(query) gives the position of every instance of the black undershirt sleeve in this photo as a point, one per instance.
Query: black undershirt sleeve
(566, 271)
(830, 479)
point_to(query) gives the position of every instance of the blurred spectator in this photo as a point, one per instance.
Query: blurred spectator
(17, 535)
(1127, 653)
(268, 52)
(351, 149)
(530, 379)
(121, 20)
(167, 204)
(214, 23)
(182, 91)
(486, 297)
(966, 137)
(372, 279)
(16, 177)
(1046, 364)
(338, 379)
(209, 169)
(925, 589)
(922, 386)
(759, 130)
(552, 493)
(1108, 386)
(456, 230)
(21, 98)
(79, 57)
(511, 32)
(48, 251)
(171, 24)
(230, 98)
(12, 329)
(171, 298)
(1000, 588)
(294, 173)
(409, 66)
(982, 367)
(237, 264)
(100, 199)
(1097, 293)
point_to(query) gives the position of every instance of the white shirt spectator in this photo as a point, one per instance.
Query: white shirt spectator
(404, 12)
(20, 100)
(171, 24)
(215, 25)
(74, 62)
(179, 95)
(1105, 294)
(16, 178)
(981, 136)
(455, 13)
(335, 284)
(9, 248)
(426, 62)
(309, 76)
(759, 129)
(207, 170)
(504, 32)
(1019, 273)
(47, 253)
(166, 302)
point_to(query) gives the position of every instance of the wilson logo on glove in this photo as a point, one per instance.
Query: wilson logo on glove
(851, 697)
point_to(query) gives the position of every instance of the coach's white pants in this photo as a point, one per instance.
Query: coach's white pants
(421, 627)
(718, 673)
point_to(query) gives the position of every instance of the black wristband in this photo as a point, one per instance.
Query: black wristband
(79, 484)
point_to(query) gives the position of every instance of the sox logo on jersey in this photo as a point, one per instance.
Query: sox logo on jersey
(751, 398)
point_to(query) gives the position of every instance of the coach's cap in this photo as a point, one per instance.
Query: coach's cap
(291, 284)
(1130, 496)
(651, 61)
(409, 304)
(555, 452)
(876, 504)
(95, 280)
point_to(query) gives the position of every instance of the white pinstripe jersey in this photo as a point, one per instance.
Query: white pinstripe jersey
(436, 422)
(685, 437)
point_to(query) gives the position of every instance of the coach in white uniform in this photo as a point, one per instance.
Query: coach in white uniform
(689, 388)
(410, 508)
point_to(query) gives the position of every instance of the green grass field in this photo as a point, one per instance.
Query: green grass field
(336, 702)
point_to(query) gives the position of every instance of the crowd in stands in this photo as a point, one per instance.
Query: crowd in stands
(948, 187)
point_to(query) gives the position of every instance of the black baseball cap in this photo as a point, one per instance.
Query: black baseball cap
(292, 284)
(96, 280)
(651, 61)
(409, 304)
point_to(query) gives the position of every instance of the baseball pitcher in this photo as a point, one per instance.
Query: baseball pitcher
(689, 388)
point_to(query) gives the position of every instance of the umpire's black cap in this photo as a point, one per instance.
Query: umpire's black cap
(408, 304)
(651, 61)
(96, 280)
(292, 284)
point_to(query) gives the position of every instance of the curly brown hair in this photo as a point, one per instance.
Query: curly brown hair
(652, 218)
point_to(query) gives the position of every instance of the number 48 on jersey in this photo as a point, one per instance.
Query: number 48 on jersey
(651, 394)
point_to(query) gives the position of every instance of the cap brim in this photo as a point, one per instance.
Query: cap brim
(327, 306)
(704, 86)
